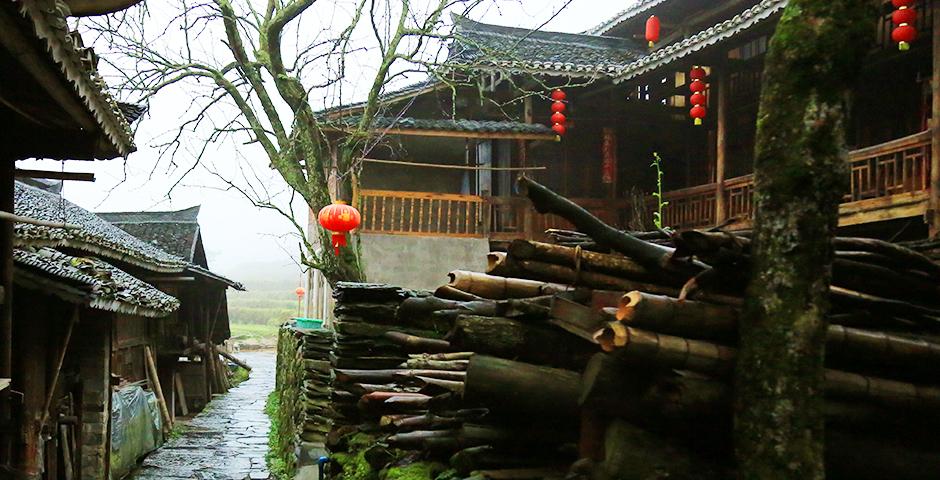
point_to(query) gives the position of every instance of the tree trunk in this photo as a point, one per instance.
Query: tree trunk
(800, 174)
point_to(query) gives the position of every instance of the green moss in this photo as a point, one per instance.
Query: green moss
(415, 471)
(354, 466)
(276, 465)
(240, 375)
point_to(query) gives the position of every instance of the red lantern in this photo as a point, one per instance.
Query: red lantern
(902, 3)
(904, 15)
(339, 218)
(558, 107)
(558, 117)
(559, 129)
(698, 113)
(903, 35)
(697, 86)
(559, 95)
(300, 292)
(652, 30)
(698, 73)
(698, 99)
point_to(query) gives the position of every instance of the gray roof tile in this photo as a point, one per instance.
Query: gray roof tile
(110, 288)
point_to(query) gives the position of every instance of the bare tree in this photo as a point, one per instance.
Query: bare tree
(264, 74)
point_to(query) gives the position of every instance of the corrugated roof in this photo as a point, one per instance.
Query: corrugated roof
(749, 18)
(480, 46)
(96, 236)
(109, 287)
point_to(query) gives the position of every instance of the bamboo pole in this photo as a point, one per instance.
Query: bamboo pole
(155, 383)
(500, 288)
(677, 317)
(578, 258)
(180, 393)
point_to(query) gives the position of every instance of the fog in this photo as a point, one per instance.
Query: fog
(244, 242)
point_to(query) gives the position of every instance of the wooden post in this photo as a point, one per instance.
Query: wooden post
(180, 393)
(58, 366)
(155, 384)
(721, 208)
(7, 168)
(933, 207)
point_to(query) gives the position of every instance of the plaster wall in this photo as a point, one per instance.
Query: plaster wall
(420, 262)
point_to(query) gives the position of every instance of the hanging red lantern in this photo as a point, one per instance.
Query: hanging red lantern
(300, 292)
(698, 112)
(698, 99)
(697, 86)
(559, 129)
(340, 219)
(652, 30)
(559, 95)
(903, 18)
(558, 117)
(697, 73)
(558, 107)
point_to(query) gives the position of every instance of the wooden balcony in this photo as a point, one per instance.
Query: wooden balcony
(423, 213)
(888, 181)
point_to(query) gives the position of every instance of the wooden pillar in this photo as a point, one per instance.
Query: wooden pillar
(7, 167)
(30, 378)
(933, 207)
(721, 208)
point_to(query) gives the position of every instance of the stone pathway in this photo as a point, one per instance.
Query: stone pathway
(227, 440)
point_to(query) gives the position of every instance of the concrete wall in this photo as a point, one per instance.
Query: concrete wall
(420, 262)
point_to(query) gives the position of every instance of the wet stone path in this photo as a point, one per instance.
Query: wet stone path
(227, 440)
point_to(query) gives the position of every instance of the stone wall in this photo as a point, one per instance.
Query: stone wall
(92, 344)
(420, 263)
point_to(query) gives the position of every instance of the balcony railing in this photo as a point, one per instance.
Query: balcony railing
(885, 175)
(423, 213)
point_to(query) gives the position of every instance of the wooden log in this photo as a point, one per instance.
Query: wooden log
(499, 288)
(890, 393)
(389, 376)
(577, 258)
(427, 421)
(653, 257)
(516, 387)
(447, 385)
(444, 357)
(666, 351)
(632, 452)
(678, 317)
(157, 389)
(608, 384)
(902, 255)
(504, 337)
(424, 363)
(874, 347)
(497, 264)
(416, 343)
(576, 319)
(180, 393)
(926, 317)
(450, 293)
(551, 272)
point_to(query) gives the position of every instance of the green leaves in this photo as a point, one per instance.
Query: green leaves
(658, 194)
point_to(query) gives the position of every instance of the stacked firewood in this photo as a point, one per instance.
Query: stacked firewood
(315, 348)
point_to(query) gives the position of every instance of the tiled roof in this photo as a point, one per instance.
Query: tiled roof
(638, 7)
(175, 232)
(475, 126)
(763, 11)
(109, 287)
(96, 236)
(480, 46)
(408, 91)
(77, 64)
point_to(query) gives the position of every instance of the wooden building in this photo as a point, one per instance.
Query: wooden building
(626, 101)
(449, 148)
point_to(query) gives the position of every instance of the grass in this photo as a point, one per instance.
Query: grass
(244, 331)
(239, 376)
(276, 465)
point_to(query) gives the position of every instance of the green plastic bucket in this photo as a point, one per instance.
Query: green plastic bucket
(309, 323)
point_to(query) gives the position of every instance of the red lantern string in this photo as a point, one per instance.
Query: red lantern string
(698, 100)
(903, 18)
(558, 108)
(652, 30)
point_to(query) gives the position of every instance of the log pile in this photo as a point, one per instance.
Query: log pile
(607, 355)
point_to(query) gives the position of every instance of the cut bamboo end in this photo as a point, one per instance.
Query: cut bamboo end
(495, 261)
(626, 312)
(615, 335)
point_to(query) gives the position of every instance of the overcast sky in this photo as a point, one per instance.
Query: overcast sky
(240, 238)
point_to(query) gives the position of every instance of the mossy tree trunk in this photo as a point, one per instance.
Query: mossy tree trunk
(801, 173)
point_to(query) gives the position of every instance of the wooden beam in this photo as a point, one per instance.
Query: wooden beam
(47, 174)
(721, 208)
(459, 134)
(157, 388)
(933, 208)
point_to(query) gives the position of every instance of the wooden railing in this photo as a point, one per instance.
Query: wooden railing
(896, 169)
(423, 213)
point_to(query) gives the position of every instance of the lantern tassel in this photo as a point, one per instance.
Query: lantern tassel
(652, 44)
(698, 121)
(339, 240)
(904, 46)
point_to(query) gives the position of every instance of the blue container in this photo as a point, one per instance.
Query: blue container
(309, 323)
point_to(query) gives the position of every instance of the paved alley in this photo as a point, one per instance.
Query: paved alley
(226, 441)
